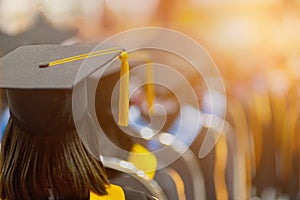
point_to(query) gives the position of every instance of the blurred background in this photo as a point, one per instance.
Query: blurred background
(254, 43)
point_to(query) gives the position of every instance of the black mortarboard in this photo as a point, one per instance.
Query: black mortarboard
(39, 80)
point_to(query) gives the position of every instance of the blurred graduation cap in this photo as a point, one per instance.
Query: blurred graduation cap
(39, 80)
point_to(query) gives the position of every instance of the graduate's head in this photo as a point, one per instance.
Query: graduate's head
(41, 151)
(34, 166)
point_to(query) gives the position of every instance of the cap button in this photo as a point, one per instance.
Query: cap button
(43, 65)
(123, 56)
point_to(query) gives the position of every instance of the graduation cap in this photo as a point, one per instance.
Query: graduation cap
(39, 80)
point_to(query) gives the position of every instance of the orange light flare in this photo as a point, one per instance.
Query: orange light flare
(244, 36)
(133, 13)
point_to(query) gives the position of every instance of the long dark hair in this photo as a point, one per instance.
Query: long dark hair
(33, 166)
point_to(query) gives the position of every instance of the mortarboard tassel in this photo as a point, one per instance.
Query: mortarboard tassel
(81, 57)
(124, 90)
(150, 90)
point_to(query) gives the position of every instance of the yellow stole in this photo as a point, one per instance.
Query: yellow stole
(114, 192)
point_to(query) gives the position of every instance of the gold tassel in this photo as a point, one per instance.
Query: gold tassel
(124, 90)
(150, 90)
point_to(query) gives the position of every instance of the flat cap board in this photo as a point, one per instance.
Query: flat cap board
(27, 67)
